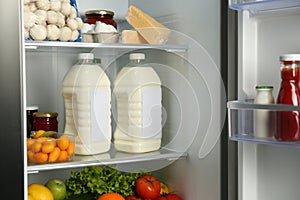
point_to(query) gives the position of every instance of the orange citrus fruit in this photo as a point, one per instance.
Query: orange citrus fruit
(36, 147)
(63, 142)
(29, 143)
(41, 157)
(30, 155)
(38, 134)
(111, 196)
(39, 192)
(48, 147)
(63, 156)
(53, 156)
(70, 149)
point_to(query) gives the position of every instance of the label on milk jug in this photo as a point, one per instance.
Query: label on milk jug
(100, 114)
(152, 112)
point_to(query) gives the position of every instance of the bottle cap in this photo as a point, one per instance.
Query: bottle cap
(32, 108)
(264, 87)
(89, 56)
(289, 57)
(136, 56)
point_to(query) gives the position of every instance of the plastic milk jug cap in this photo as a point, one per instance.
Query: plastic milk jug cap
(137, 56)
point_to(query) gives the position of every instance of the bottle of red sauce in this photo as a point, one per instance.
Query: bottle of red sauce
(288, 122)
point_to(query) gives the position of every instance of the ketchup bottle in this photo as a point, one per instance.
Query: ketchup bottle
(288, 122)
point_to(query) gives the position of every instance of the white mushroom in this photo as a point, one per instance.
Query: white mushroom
(32, 7)
(52, 17)
(61, 20)
(73, 13)
(38, 32)
(43, 4)
(26, 2)
(42, 16)
(26, 32)
(75, 35)
(65, 34)
(67, 1)
(26, 8)
(80, 23)
(72, 24)
(30, 19)
(66, 9)
(55, 5)
(53, 32)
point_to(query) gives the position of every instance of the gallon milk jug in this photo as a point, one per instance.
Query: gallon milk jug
(87, 96)
(137, 90)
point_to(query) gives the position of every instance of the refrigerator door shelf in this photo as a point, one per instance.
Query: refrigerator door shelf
(255, 6)
(241, 122)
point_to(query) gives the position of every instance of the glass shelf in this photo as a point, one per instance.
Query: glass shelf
(110, 158)
(240, 119)
(45, 45)
(255, 6)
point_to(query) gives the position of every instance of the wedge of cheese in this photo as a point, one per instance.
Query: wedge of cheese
(150, 29)
(132, 37)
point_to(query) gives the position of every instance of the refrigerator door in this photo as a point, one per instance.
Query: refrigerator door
(11, 137)
(265, 31)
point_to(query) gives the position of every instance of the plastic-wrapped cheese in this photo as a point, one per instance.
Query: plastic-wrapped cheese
(151, 30)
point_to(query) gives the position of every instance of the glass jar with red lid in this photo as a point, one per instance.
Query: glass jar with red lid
(288, 122)
(45, 121)
(105, 16)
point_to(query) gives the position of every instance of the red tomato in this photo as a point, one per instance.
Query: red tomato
(133, 197)
(147, 186)
(173, 197)
(168, 197)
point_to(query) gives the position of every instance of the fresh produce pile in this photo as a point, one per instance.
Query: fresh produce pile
(105, 183)
(99, 180)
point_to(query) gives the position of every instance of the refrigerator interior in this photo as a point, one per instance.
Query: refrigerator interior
(191, 97)
(265, 171)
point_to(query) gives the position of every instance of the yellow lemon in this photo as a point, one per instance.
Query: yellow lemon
(39, 192)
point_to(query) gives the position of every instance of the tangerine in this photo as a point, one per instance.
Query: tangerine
(63, 156)
(48, 147)
(30, 155)
(36, 147)
(29, 143)
(111, 196)
(53, 156)
(38, 134)
(41, 157)
(63, 142)
(71, 148)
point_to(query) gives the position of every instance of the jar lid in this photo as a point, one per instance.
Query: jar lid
(289, 57)
(136, 56)
(32, 108)
(89, 56)
(37, 114)
(100, 12)
(264, 87)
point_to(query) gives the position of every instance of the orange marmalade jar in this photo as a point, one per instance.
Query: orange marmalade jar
(105, 16)
(288, 122)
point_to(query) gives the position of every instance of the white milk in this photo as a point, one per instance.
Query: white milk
(87, 95)
(137, 89)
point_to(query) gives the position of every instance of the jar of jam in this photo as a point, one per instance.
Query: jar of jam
(288, 122)
(105, 16)
(45, 121)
